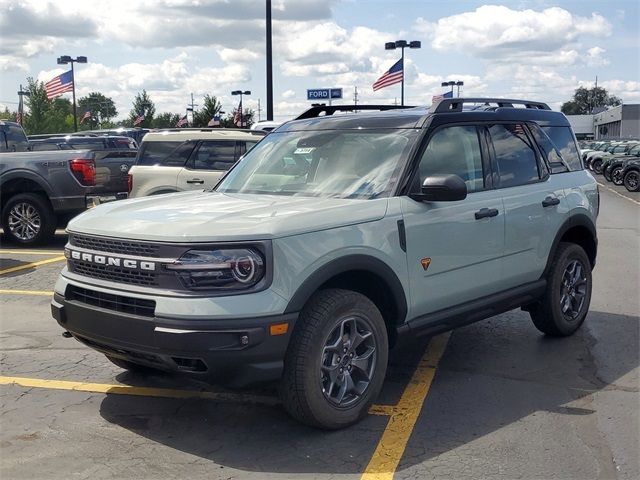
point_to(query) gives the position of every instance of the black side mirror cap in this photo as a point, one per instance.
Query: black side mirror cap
(441, 188)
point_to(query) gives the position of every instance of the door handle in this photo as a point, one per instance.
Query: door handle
(196, 181)
(486, 213)
(550, 201)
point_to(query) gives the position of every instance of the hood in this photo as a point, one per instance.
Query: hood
(212, 216)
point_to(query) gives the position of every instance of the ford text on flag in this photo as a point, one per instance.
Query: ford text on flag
(390, 77)
(58, 85)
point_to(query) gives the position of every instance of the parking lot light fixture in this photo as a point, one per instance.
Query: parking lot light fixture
(402, 44)
(241, 93)
(63, 60)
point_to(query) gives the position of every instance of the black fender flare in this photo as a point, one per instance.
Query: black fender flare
(19, 174)
(576, 220)
(356, 262)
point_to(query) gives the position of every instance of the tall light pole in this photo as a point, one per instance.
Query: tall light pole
(241, 93)
(402, 44)
(22, 93)
(269, 64)
(63, 60)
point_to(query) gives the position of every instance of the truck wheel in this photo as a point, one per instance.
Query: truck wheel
(132, 367)
(632, 181)
(565, 303)
(28, 219)
(606, 173)
(616, 176)
(596, 166)
(336, 361)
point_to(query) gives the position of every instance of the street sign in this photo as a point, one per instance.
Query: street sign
(324, 93)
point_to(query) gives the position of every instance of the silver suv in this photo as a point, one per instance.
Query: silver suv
(176, 160)
(331, 241)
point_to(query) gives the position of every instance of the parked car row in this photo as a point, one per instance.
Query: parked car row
(617, 161)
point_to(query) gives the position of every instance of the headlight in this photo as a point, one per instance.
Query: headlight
(223, 269)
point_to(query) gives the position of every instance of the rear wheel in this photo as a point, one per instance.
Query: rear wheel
(28, 219)
(616, 176)
(606, 173)
(632, 181)
(565, 304)
(336, 361)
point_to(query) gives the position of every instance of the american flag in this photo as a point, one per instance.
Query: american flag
(437, 98)
(139, 119)
(182, 122)
(390, 77)
(237, 117)
(86, 116)
(58, 85)
(214, 122)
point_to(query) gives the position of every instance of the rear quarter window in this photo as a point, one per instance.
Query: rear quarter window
(167, 154)
(564, 141)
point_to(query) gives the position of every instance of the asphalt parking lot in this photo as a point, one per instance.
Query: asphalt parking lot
(492, 400)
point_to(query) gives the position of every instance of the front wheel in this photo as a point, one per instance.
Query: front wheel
(616, 176)
(632, 181)
(606, 173)
(596, 166)
(336, 360)
(564, 306)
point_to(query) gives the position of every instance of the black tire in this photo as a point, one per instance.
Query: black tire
(616, 176)
(312, 354)
(548, 315)
(41, 222)
(132, 367)
(596, 165)
(632, 181)
(606, 173)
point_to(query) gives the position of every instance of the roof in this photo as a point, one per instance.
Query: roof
(445, 111)
(183, 134)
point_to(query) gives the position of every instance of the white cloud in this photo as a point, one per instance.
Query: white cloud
(501, 34)
(594, 57)
(288, 94)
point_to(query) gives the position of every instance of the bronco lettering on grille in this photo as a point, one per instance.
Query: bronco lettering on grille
(110, 261)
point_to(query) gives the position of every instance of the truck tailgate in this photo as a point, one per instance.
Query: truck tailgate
(112, 167)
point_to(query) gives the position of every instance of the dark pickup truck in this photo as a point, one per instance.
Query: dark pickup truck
(40, 191)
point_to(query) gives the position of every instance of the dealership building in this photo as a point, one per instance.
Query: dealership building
(618, 122)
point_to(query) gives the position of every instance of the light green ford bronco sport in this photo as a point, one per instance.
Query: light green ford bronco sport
(333, 239)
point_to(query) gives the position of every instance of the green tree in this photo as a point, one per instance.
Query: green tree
(142, 105)
(249, 119)
(166, 120)
(7, 114)
(586, 99)
(44, 115)
(211, 107)
(102, 109)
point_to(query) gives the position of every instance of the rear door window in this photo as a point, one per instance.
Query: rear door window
(516, 162)
(215, 155)
(167, 154)
(563, 139)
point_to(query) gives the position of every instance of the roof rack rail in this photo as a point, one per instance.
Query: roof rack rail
(456, 104)
(206, 129)
(314, 112)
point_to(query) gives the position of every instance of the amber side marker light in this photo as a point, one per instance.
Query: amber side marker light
(279, 329)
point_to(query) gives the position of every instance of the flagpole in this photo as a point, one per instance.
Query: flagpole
(75, 113)
(402, 88)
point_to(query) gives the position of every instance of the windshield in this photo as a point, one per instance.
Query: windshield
(339, 164)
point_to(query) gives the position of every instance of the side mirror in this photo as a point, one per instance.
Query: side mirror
(441, 188)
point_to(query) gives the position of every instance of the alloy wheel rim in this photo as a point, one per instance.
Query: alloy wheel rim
(616, 175)
(348, 362)
(573, 290)
(24, 221)
(632, 179)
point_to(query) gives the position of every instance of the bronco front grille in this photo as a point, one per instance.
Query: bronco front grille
(118, 303)
(124, 247)
(114, 274)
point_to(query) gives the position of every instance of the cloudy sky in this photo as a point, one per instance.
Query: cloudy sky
(541, 50)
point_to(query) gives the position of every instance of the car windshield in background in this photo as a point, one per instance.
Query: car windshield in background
(168, 154)
(333, 164)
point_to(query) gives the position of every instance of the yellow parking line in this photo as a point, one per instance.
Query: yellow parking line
(31, 252)
(391, 446)
(26, 292)
(155, 392)
(31, 265)
(132, 390)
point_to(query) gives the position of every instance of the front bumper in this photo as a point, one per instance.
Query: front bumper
(235, 352)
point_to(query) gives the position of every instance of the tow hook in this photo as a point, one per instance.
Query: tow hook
(66, 334)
